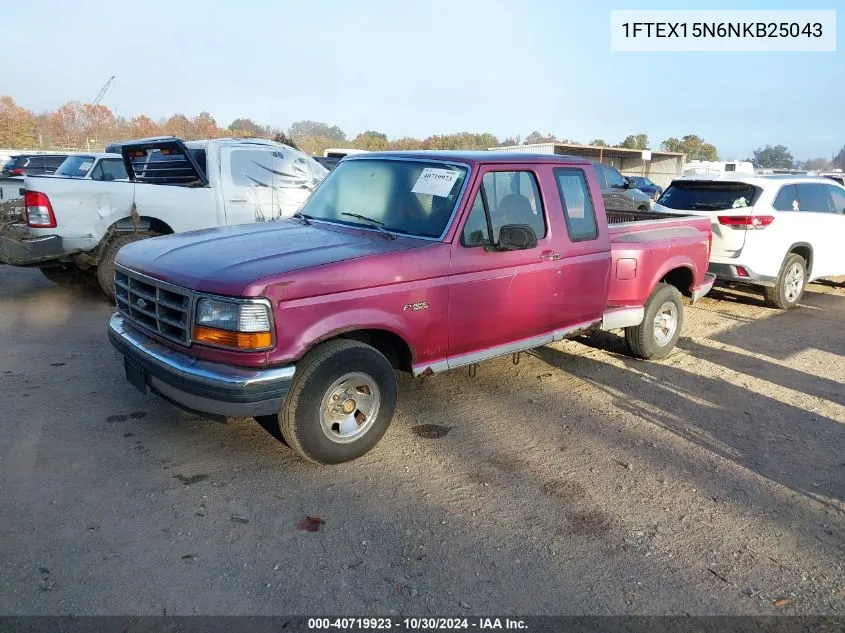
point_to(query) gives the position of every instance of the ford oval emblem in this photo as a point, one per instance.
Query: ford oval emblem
(141, 303)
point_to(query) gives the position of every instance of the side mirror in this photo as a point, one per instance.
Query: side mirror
(629, 184)
(516, 237)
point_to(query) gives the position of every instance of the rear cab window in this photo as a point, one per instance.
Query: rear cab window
(709, 195)
(578, 210)
(76, 166)
(506, 197)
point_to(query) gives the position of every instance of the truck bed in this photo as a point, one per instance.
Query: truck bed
(647, 247)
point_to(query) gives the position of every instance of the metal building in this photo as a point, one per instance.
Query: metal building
(660, 167)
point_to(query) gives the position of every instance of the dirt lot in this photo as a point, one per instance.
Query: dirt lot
(579, 481)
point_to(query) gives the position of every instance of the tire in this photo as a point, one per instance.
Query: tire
(105, 268)
(642, 209)
(646, 340)
(347, 369)
(789, 287)
(63, 276)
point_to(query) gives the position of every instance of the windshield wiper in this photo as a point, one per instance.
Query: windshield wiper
(306, 219)
(376, 224)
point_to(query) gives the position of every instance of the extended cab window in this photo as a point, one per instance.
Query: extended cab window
(577, 204)
(787, 199)
(814, 198)
(512, 198)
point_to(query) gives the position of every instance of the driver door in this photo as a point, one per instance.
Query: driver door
(497, 298)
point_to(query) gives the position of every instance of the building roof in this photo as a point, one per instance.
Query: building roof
(620, 151)
(471, 157)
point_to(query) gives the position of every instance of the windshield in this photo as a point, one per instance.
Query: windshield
(709, 196)
(641, 182)
(409, 197)
(75, 166)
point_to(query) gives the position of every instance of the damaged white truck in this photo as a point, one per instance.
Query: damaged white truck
(72, 229)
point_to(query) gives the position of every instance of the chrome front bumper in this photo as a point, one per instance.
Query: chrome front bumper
(197, 385)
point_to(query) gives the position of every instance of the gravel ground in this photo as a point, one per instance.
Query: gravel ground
(579, 481)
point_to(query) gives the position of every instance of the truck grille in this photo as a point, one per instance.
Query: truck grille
(154, 305)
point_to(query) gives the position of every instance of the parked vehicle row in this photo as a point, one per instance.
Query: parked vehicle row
(78, 219)
(32, 164)
(414, 261)
(774, 232)
(396, 261)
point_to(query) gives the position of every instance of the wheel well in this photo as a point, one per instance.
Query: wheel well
(145, 223)
(393, 346)
(681, 278)
(806, 252)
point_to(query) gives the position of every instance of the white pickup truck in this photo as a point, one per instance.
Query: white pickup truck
(74, 227)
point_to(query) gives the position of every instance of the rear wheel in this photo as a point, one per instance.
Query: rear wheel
(340, 403)
(105, 268)
(656, 336)
(63, 275)
(789, 288)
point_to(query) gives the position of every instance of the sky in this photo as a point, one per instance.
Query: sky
(422, 68)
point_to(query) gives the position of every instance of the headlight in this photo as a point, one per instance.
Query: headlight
(239, 325)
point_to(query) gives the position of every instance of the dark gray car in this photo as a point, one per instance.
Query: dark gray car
(618, 193)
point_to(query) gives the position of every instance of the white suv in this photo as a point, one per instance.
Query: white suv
(778, 232)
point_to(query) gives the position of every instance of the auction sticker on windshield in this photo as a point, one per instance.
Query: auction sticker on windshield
(436, 182)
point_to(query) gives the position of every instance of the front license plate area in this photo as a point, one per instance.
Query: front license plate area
(136, 375)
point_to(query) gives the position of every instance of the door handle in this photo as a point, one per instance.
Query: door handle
(549, 256)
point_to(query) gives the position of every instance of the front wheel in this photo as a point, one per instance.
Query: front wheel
(789, 287)
(340, 403)
(656, 336)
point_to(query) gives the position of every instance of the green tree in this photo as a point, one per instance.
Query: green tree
(635, 141)
(246, 127)
(178, 125)
(511, 141)
(17, 125)
(406, 142)
(777, 157)
(205, 126)
(814, 164)
(302, 129)
(838, 161)
(284, 139)
(539, 137)
(598, 142)
(370, 140)
(693, 146)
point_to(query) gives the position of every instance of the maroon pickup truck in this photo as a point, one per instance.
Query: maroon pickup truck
(413, 261)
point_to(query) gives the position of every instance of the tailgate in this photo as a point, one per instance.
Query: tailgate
(728, 206)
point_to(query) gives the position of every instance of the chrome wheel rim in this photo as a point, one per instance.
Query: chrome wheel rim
(350, 407)
(793, 283)
(665, 323)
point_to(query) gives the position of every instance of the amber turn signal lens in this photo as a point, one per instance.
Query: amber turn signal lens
(235, 340)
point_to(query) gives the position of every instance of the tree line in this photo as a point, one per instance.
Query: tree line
(80, 126)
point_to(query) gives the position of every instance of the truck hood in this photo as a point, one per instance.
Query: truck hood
(226, 260)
